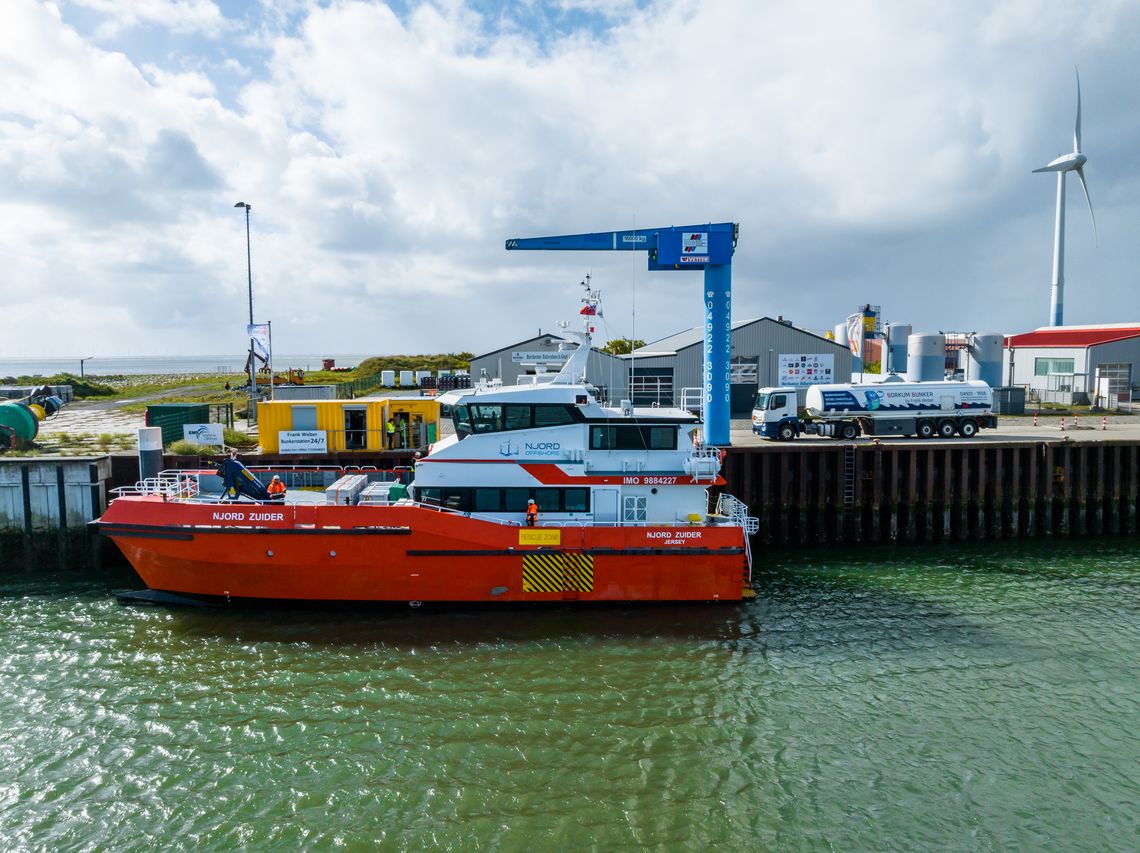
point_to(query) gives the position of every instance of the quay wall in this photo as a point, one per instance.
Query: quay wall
(45, 505)
(803, 493)
(936, 491)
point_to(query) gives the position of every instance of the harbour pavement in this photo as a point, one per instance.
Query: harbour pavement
(99, 419)
(1014, 428)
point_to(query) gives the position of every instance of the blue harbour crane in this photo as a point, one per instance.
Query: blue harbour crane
(707, 247)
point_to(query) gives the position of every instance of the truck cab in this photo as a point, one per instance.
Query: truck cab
(774, 414)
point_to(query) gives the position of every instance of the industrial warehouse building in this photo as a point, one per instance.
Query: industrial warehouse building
(545, 354)
(764, 352)
(1077, 364)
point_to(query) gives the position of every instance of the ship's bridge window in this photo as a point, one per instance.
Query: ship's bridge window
(548, 416)
(499, 417)
(633, 437)
(486, 417)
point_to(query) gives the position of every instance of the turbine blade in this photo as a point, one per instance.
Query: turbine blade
(1081, 174)
(1055, 167)
(1077, 129)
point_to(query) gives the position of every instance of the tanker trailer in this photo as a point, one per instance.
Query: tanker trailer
(891, 407)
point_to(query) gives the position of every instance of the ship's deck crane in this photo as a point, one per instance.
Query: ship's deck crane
(706, 247)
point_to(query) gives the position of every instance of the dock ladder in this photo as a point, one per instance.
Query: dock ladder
(849, 476)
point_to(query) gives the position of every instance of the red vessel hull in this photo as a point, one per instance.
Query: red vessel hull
(414, 553)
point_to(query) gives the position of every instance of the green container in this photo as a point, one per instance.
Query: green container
(20, 418)
(171, 417)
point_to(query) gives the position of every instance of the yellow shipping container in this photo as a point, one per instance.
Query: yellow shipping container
(315, 426)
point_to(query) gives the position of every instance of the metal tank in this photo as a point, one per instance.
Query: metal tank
(841, 334)
(896, 344)
(926, 357)
(985, 357)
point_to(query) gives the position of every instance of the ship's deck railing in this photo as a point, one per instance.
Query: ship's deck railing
(737, 512)
(183, 486)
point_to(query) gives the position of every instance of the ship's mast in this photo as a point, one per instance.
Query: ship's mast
(590, 311)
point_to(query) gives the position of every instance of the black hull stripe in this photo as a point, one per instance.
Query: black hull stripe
(163, 531)
(598, 552)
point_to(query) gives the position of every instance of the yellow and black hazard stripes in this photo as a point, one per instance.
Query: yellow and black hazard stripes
(579, 572)
(543, 573)
(558, 573)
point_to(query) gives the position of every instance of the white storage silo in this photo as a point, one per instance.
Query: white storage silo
(985, 358)
(926, 357)
(897, 343)
(841, 334)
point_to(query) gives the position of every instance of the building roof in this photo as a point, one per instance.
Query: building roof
(696, 335)
(1074, 336)
(554, 337)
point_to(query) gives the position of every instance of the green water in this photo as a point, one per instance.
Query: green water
(913, 698)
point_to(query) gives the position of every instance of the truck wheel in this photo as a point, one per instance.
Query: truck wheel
(946, 428)
(967, 428)
(787, 432)
(925, 429)
(848, 432)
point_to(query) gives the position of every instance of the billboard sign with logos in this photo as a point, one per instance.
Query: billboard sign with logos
(802, 369)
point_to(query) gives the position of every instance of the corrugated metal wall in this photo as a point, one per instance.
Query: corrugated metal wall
(765, 340)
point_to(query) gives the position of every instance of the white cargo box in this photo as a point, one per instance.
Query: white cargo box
(388, 378)
(347, 489)
(406, 378)
(421, 375)
(376, 493)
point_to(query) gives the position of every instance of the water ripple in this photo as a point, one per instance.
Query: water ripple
(964, 699)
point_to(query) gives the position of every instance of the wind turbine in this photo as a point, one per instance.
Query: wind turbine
(1074, 162)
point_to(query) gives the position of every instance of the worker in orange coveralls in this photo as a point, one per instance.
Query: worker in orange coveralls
(276, 489)
(531, 513)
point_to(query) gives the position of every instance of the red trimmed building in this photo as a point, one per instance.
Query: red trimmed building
(1077, 364)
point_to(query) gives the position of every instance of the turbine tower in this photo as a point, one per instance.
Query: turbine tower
(1064, 164)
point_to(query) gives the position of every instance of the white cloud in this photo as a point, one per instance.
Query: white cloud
(870, 153)
(181, 16)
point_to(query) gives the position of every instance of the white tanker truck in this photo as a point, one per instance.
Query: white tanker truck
(891, 407)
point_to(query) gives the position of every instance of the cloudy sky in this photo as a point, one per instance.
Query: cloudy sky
(871, 152)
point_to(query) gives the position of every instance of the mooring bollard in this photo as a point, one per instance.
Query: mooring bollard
(1035, 418)
(1062, 423)
(150, 452)
(1104, 422)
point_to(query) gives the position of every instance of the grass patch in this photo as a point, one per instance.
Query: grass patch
(189, 448)
(236, 438)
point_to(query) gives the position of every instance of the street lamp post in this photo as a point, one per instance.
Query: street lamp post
(252, 415)
(81, 364)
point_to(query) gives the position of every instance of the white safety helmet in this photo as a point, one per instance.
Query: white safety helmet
(530, 501)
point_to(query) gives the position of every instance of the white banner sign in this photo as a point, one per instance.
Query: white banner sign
(541, 356)
(203, 434)
(801, 370)
(855, 334)
(259, 336)
(303, 441)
